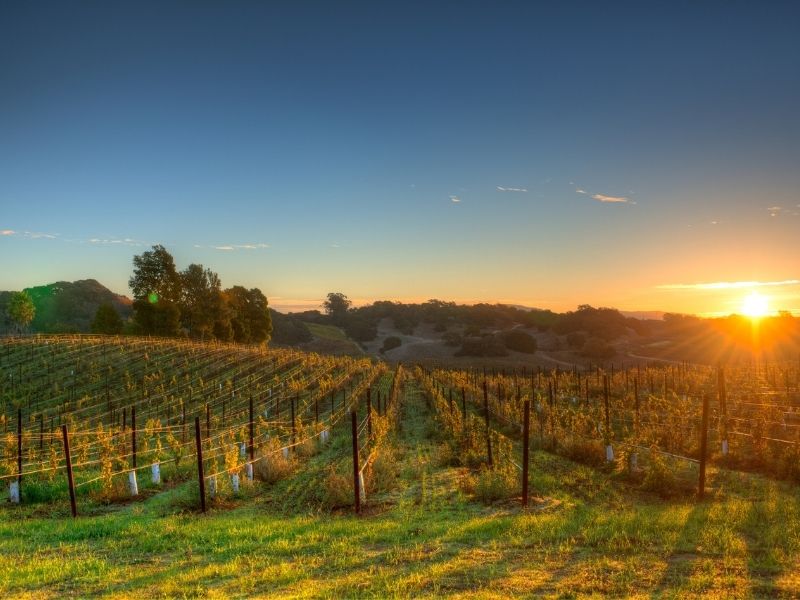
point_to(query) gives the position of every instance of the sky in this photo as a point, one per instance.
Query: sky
(644, 156)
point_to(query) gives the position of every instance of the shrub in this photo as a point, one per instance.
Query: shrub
(497, 483)
(381, 475)
(597, 348)
(390, 343)
(585, 451)
(338, 489)
(576, 339)
(488, 345)
(519, 341)
(658, 478)
(272, 465)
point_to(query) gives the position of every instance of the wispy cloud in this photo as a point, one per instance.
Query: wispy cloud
(455, 199)
(232, 247)
(727, 285)
(774, 210)
(604, 198)
(31, 235)
(611, 199)
(510, 189)
(113, 241)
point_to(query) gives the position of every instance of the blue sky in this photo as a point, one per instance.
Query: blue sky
(362, 147)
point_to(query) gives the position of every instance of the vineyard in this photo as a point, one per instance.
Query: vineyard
(335, 476)
(97, 415)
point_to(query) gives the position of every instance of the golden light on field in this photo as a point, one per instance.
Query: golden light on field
(755, 305)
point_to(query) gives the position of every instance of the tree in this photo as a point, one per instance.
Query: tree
(156, 288)
(336, 306)
(202, 304)
(390, 343)
(107, 320)
(250, 319)
(520, 341)
(20, 310)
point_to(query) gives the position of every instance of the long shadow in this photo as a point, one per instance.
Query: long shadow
(764, 512)
(683, 555)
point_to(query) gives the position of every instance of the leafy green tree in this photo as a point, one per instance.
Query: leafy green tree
(156, 287)
(107, 320)
(202, 304)
(336, 306)
(20, 310)
(250, 318)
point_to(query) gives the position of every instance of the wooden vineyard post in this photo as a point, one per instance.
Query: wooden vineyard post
(356, 482)
(133, 436)
(200, 479)
(526, 429)
(208, 421)
(251, 431)
(316, 410)
(333, 405)
(463, 405)
(369, 413)
(723, 405)
(19, 451)
(488, 430)
(609, 447)
(70, 479)
(701, 485)
(294, 429)
(450, 399)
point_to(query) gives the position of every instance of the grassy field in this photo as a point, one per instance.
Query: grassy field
(327, 332)
(586, 535)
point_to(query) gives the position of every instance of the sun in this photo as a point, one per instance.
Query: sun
(755, 305)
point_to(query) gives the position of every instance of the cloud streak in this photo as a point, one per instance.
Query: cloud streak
(116, 242)
(233, 247)
(31, 235)
(455, 199)
(604, 198)
(611, 199)
(511, 189)
(727, 285)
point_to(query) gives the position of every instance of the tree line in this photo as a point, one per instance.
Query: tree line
(192, 302)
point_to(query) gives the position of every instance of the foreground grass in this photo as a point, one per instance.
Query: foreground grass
(586, 536)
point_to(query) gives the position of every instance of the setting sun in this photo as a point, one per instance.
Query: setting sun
(755, 305)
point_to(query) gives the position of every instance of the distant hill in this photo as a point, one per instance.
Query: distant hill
(70, 307)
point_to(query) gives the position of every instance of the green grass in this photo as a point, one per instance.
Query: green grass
(586, 535)
(327, 332)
